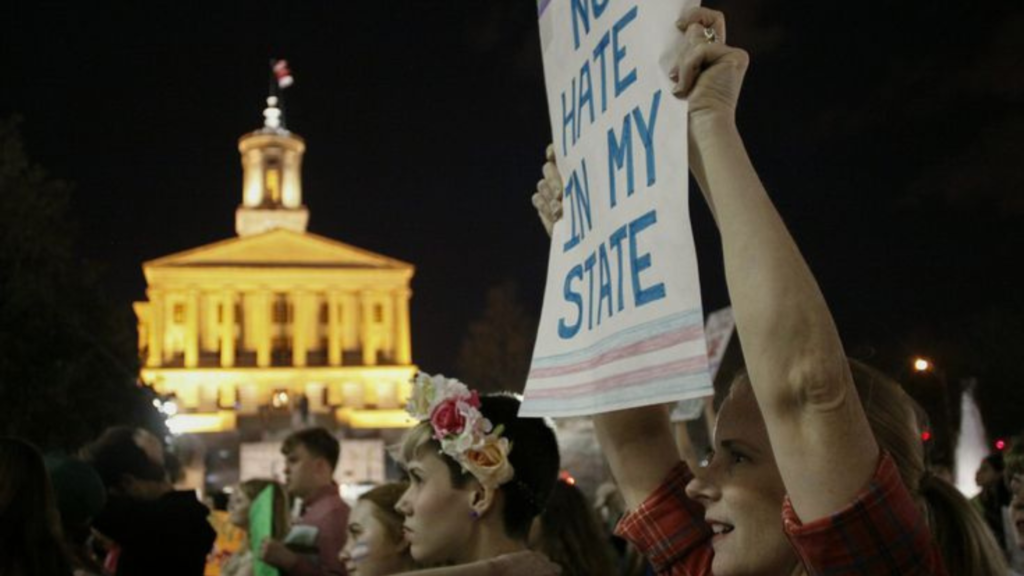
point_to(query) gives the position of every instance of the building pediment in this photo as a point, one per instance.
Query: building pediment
(278, 249)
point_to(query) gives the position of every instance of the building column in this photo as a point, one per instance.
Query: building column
(262, 322)
(192, 329)
(334, 345)
(403, 351)
(300, 326)
(157, 313)
(227, 329)
(369, 344)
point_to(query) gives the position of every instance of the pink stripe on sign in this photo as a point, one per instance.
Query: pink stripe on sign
(626, 379)
(658, 342)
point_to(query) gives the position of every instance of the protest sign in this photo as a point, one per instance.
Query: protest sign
(361, 461)
(718, 331)
(261, 527)
(622, 324)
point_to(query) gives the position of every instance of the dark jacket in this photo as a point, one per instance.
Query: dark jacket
(167, 536)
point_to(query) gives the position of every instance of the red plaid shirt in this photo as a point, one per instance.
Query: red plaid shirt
(881, 532)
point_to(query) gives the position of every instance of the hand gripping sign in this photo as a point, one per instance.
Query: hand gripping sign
(622, 324)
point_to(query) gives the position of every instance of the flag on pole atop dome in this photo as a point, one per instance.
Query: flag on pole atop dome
(282, 73)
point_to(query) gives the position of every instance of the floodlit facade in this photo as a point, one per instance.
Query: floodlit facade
(276, 320)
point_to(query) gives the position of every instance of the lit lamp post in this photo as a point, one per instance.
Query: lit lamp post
(922, 364)
(925, 381)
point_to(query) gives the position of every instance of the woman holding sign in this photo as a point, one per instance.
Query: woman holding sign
(239, 506)
(830, 446)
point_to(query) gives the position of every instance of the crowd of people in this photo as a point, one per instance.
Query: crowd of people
(817, 464)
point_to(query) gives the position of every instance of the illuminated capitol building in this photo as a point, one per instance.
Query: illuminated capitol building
(244, 334)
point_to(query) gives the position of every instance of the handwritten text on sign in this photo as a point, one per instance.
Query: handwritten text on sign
(621, 324)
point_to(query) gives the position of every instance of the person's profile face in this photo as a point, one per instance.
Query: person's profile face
(1015, 482)
(300, 471)
(370, 550)
(438, 521)
(987, 476)
(742, 493)
(1017, 517)
(238, 508)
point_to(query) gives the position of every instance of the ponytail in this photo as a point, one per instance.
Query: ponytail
(962, 536)
(967, 544)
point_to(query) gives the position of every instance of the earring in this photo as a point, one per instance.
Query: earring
(474, 514)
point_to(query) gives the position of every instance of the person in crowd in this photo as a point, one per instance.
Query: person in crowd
(478, 476)
(241, 562)
(610, 508)
(567, 533)
(31, 543)
(994, 496)
(318, 534)
(376, 545)
(1013, 477)
(144, 514)
(80, 496)
(829, 444)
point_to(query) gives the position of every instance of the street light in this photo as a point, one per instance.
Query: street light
(168, 406)
(922, 364)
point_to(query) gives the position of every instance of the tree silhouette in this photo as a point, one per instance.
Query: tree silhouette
(68, 364)
(495, 354)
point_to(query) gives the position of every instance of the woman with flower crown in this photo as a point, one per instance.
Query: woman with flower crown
(478, 475)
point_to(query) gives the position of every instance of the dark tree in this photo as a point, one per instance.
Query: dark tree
(68, 364)
(495, 354)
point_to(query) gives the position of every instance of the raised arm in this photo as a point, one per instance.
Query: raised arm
(798, 369)
(638, 442)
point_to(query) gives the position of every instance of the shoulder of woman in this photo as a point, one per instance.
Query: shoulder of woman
(525, 563)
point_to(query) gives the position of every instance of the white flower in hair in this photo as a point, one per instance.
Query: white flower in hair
(453, 412)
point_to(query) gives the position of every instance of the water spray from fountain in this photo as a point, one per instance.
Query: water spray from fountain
(972, 444)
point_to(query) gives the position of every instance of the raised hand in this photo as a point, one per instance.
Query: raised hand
(548, 197)
(708, 73)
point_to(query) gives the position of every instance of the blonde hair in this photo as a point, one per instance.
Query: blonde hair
(961, 535)
(420, 438)
(384, 498)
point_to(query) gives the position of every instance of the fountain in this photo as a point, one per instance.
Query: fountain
(972, 444)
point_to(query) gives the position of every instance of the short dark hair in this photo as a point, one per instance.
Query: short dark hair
(115, 454)
(317, 441)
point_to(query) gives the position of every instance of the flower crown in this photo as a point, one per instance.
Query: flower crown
(453, 412)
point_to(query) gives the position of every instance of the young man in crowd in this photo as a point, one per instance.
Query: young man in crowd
(312, 546)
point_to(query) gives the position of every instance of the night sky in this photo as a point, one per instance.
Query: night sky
(888, 136)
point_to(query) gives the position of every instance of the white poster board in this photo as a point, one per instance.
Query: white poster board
(361, 461)
(718, 331)
(622, 324)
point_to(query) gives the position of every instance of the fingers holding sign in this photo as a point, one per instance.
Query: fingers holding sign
(548, 197)
(708, 73)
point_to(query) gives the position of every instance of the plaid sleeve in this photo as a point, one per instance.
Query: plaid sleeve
(881, 532)
(669, 529)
